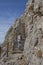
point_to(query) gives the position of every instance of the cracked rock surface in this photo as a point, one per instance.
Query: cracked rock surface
(33, 46)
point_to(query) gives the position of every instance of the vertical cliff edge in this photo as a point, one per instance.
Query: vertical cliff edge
(23, 44)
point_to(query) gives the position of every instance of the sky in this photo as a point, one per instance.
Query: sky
(9, 11)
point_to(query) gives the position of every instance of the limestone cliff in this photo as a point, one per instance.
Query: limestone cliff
(30, 27)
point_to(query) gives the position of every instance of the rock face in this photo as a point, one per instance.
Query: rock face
(30, 28)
